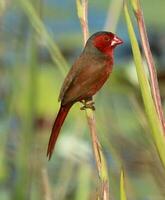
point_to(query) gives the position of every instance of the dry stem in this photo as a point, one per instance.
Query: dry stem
(82, 6)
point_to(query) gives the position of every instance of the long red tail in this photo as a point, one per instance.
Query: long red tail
(57, 127)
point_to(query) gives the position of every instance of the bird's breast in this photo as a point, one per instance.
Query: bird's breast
(101, 79)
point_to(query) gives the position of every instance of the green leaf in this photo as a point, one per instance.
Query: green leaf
(153, 120)
(122, 186)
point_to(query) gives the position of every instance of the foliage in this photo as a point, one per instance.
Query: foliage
(39, 40)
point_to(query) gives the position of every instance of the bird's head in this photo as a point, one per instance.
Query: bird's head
(105, 42)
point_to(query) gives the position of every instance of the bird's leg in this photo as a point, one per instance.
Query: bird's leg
(87, 103)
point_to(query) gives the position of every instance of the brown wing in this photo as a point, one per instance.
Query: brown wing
(70, 77)
(88, 80)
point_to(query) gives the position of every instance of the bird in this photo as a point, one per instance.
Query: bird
(86, 77)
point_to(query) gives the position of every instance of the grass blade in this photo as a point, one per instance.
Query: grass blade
(42, 32)
(122, 186)
(149, 58)
(153, 119)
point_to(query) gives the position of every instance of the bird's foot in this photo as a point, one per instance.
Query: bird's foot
(88, 104)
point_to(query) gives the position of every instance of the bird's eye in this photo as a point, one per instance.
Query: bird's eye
(106, 38)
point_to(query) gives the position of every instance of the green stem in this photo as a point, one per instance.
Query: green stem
(42, 32)
(150, 61)
(153, 119)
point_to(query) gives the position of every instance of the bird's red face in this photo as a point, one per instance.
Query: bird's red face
(106, 42)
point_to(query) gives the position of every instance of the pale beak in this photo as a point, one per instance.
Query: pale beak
(116, 41)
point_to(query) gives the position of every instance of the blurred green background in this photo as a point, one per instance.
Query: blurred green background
(30, 82)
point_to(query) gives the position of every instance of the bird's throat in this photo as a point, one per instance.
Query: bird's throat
(107, 51)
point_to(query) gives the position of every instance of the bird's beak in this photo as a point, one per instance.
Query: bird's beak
(116, 41)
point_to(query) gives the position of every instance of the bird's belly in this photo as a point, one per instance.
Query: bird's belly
(92, 90)
(86, 86)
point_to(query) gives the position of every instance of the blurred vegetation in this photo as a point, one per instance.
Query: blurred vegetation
(30, 80)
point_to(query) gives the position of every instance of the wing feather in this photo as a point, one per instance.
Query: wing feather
(70, 77)
(79, 83)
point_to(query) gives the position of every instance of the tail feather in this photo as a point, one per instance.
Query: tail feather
(57, 127)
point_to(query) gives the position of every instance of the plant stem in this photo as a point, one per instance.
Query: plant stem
(46, 185)
(40, 29)
(99, 157)
(153, 119)
(150, 61)
(114, 12)
(122, 186)
(82, 11)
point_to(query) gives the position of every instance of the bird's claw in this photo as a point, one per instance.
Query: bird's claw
(87, 104)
